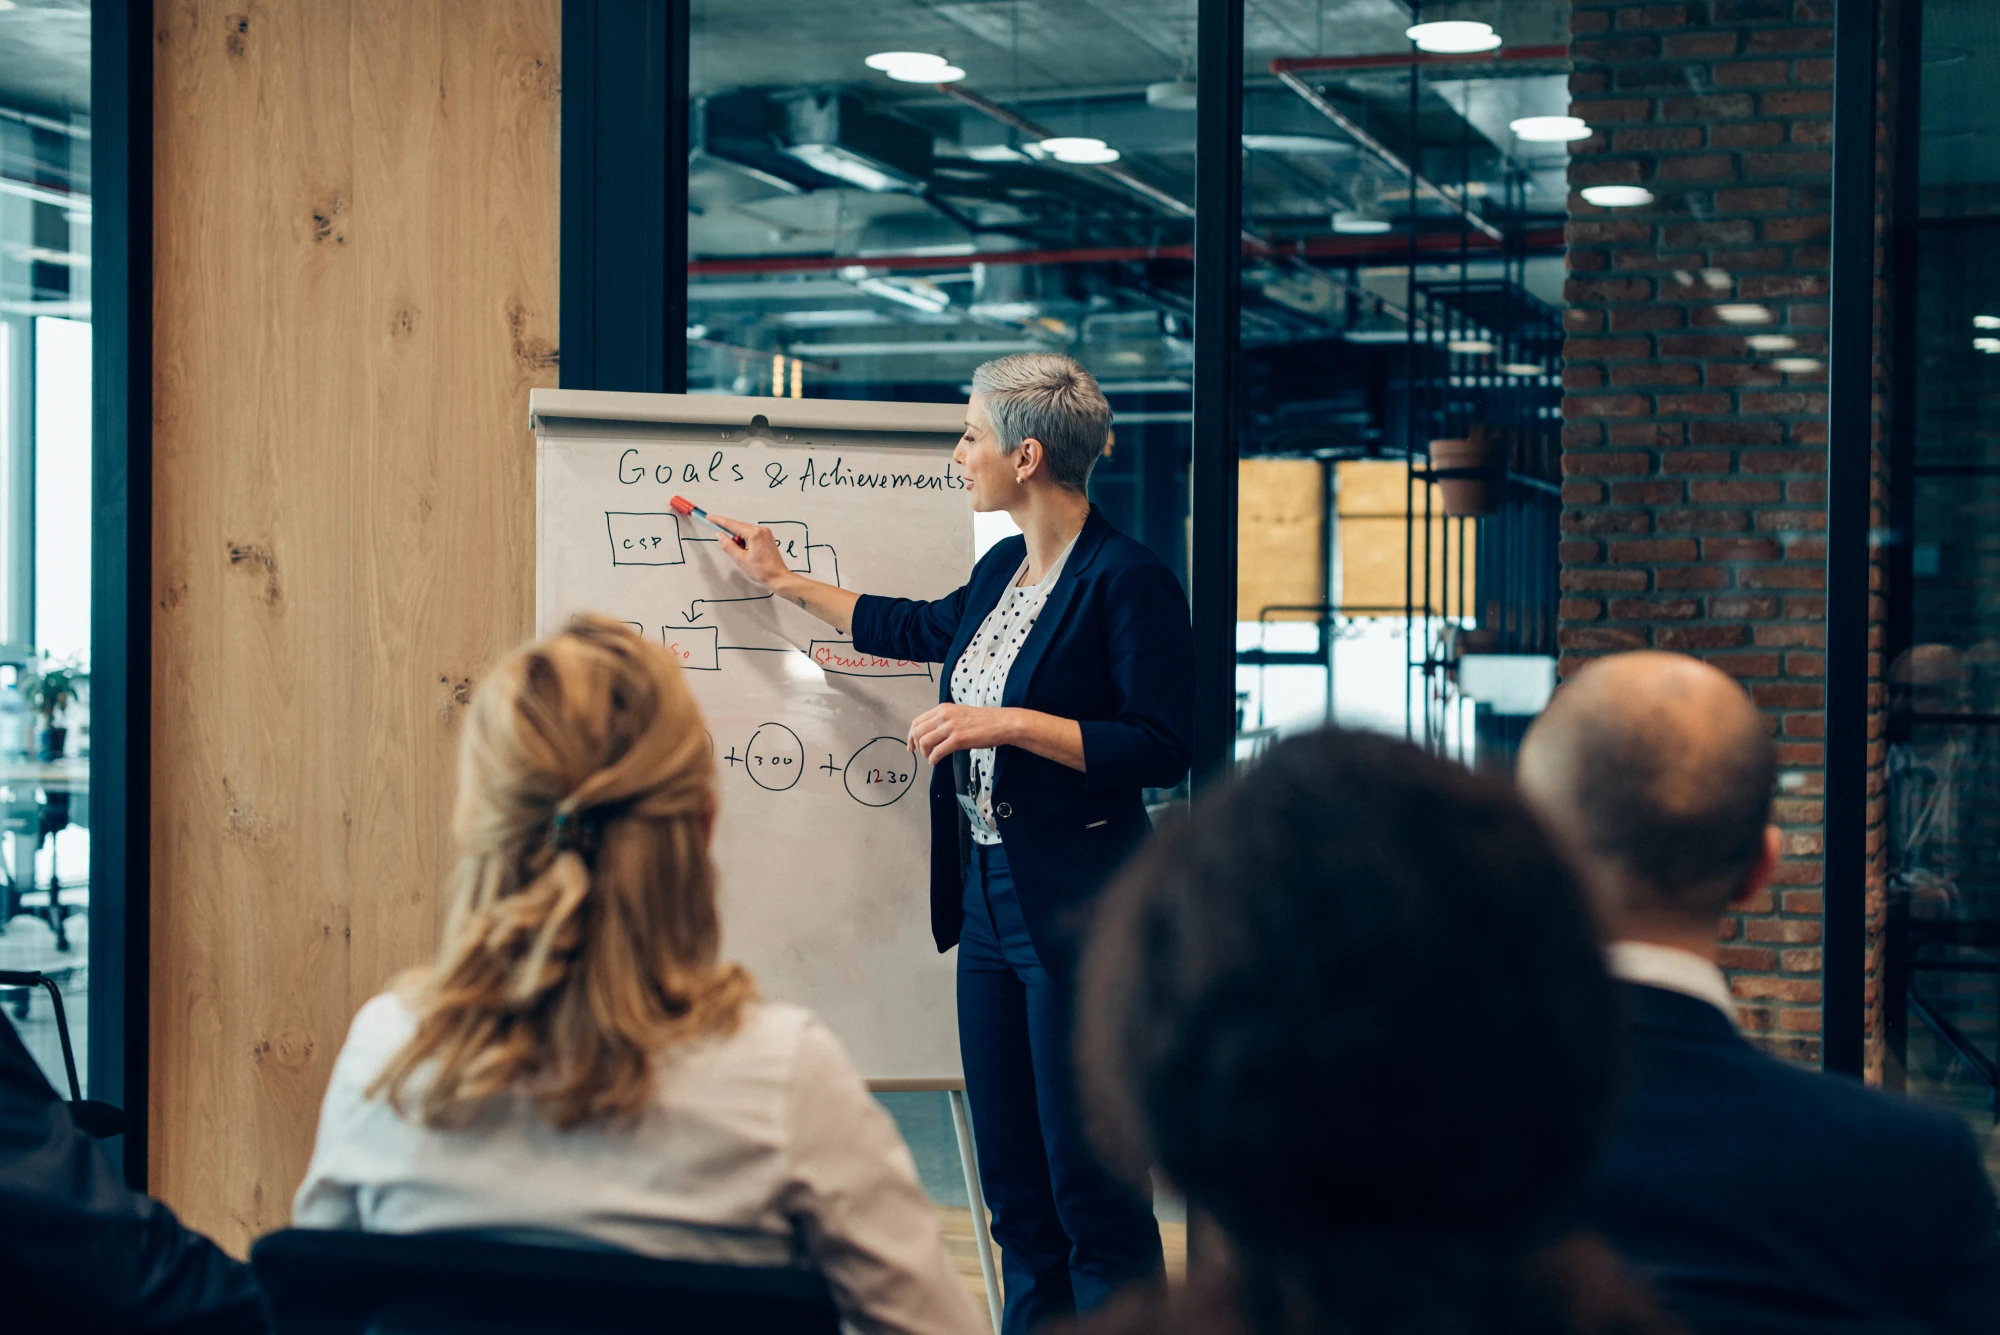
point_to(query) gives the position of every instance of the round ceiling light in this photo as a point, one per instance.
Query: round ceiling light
(1617, 196)
(1454, 37)
(915, 67)
(926, 74)
(1549, 129)
(1171, 95)
(1796, 365)
(1739, 313)
(1987, 344)
(1082, 150)
(1359, 224)
(1519, 368)
(1773, 342)
(1476, 347)
(1986, 322)
(890, 60)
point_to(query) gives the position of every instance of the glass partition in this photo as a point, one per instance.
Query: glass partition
(45, 524)
(1943, 965)
(1400, 382)
(1023, 180)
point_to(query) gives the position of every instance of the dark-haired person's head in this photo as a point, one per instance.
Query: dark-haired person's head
(1355, 1007)
(1656, 770)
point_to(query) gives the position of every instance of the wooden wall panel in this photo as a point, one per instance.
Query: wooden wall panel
(356, 284)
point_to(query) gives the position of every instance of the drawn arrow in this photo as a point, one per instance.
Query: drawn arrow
(693, 615)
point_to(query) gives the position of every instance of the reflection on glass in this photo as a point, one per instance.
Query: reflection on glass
(857, 234)
(45, 512)
(1942, 972)
(1400, 391)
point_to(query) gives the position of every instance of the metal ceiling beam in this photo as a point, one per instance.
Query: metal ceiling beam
(1112, 171)
(1382, 152)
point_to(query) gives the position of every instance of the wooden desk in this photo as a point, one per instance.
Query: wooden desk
(36, 786)
(68, 775)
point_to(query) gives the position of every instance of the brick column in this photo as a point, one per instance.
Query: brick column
(1694, 467)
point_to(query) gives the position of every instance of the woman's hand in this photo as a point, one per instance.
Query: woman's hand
(762, 563)
(937, 733)
(758, 558)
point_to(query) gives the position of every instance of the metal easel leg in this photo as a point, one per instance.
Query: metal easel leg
(982, 1232)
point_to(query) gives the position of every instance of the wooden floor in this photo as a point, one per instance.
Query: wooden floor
(964, 1249)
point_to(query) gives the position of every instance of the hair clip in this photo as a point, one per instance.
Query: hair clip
(565, 831)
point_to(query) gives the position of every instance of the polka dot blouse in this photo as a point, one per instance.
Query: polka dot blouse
(980, 679)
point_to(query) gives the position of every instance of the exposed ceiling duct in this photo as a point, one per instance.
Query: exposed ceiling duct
(812, 139)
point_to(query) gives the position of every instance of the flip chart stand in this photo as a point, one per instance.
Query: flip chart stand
(982, 1231)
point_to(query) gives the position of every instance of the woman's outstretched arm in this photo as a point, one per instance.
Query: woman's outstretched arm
(760, 560)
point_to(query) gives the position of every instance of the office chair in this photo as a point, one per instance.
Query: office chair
(93, 1117)
(476, 1282)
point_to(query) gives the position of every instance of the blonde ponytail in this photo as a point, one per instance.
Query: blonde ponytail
(582, 936)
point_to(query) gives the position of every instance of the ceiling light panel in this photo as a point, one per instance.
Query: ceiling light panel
(1550, 129)
(1454, 37)
(1617, 196)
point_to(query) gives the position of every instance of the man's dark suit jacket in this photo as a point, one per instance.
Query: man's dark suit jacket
(1111, 649)
(1757, 1196)
(81, 1251)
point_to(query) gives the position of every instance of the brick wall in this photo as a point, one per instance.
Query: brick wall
(1695, 469)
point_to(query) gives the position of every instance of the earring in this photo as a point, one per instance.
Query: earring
(1020, 477)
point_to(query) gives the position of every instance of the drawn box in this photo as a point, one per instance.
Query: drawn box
(794, 543)
(693, 647)
(645, 538)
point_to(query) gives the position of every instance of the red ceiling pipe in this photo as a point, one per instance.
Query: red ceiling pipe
(1545, 240)
(1399, 59)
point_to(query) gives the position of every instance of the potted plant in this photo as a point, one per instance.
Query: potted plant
(50, 688)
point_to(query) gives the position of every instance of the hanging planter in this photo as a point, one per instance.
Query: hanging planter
(1468, 473)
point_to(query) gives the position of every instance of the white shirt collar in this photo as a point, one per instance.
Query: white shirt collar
(1673, 969)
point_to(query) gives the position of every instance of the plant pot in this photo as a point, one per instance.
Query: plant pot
(49, 743)
(1467, 496)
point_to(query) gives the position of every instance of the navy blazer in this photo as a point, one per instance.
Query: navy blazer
(1112, 649)
(1757, 1196)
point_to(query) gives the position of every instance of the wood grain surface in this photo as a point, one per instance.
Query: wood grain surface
(356, 282)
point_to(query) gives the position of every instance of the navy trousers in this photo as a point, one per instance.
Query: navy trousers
(1070, 1234)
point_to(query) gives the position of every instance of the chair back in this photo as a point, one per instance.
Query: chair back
(343, 1282)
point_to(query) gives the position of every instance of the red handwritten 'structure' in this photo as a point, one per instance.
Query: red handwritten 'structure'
(829, 657)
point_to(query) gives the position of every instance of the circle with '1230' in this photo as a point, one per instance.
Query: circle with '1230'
(775, 757)
(880, 772)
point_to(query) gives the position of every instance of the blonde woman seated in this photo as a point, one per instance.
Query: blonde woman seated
(578, 1059)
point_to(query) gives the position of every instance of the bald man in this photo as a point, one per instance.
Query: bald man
(1756, 1196)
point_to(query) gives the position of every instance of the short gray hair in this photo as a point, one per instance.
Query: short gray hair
(1049, 397)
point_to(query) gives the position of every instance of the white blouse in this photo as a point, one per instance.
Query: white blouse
(980, 679)
(761, 1147)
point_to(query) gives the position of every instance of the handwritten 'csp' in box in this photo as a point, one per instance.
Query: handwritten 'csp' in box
(650, 538)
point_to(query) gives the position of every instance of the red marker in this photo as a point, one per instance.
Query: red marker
(682, 505)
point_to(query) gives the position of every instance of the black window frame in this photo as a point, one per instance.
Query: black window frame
(121, 168)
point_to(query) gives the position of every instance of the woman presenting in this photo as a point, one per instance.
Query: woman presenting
(1068, 686)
